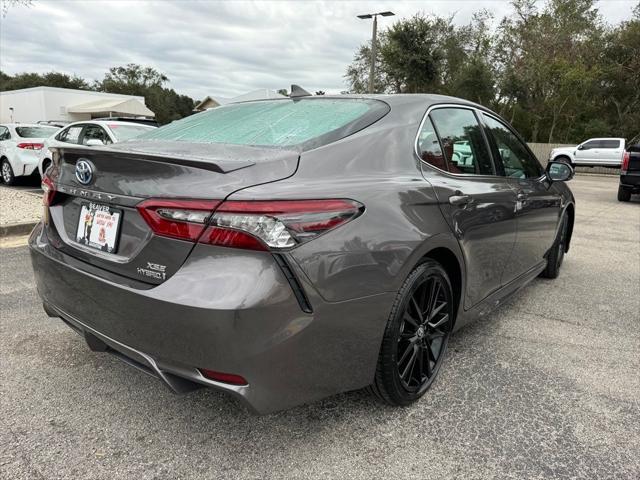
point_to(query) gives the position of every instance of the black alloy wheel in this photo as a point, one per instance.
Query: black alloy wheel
(416, 337)
(556, 254)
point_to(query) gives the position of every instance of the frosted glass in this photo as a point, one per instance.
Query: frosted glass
(268, 123)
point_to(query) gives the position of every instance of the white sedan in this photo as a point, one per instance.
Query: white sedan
(90, 133)
(20, 145)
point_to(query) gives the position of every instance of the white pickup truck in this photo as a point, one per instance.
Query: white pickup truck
(595, 152)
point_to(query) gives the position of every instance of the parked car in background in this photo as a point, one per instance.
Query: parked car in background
(89, 133)
(595, 152)
(20, 146)
(630, 172)
(152, 122)
(286, 250)
(54, 123)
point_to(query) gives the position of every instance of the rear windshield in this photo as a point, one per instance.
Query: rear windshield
(36, 132)
(125, 132)
(276, 123)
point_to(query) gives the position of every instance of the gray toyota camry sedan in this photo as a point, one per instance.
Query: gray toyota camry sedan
(286, 250)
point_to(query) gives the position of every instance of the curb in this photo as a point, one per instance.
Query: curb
(16, 229)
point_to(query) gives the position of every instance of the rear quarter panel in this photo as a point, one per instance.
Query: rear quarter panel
(401, 222)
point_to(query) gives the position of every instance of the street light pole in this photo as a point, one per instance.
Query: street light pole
(374, 35)
(374, 44)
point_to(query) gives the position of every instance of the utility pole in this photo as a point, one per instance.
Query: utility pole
(374, 44)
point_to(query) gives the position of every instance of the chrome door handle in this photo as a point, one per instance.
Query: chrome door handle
(460, 199)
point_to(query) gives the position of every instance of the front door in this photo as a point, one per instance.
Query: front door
(538, 203)
(588, 152)
(478, 204)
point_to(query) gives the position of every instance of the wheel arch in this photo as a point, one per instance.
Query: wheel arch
(562, 157)
(444, 249)
(451, 264)
(571, 213)
(41, 166)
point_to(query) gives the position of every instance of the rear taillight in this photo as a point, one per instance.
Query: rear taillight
(49, 189)
(625, 162)
(251, 225)
(278, 224)
(182, 219)
(30, 146)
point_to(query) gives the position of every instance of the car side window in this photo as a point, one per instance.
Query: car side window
(4, 134)
(70, 135)
(514, 155)
(429, 147)
(590, 145)
(463, 143)
(95, 132)
(609, 143)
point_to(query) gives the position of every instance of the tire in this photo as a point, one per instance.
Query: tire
(564, 159)
(623, 195)
(556, 254)
(7, 172)
(416, 337)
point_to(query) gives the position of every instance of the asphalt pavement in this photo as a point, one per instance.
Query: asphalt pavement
(548, 386)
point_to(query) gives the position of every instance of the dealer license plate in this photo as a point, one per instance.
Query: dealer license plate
(99, 226)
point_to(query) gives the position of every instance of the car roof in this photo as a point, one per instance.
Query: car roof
(106, 122)
(14, 125)
(393, 99)
(605, 138)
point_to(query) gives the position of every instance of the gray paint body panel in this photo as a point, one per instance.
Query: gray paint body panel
(234, 311)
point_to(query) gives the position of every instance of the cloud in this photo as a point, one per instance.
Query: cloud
(212, 47)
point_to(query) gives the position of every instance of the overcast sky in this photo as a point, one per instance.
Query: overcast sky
(213, 47)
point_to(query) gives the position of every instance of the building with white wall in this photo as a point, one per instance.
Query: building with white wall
(30, 105)
(213, 102)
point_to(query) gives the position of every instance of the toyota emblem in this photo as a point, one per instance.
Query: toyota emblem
(84, 172)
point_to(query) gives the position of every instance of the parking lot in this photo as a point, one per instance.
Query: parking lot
(545, 387)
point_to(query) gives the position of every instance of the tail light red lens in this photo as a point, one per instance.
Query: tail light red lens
(49, 189)
(250, 225)
(181, 219)
(278, 224)
(30, 146)
(625, 162)
(223, 377)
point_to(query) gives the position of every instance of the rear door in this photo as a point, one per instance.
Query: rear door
(611, 151)
(538, 202)
(477, 203)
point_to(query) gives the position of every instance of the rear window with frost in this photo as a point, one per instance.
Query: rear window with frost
(306, 122)
(36, 132)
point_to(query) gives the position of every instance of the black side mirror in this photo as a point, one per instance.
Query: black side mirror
(559, 171)
(580, 147)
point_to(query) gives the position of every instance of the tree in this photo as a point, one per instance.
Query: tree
(131, 78)
(51, 79)
(134, 79)
(358, 71)
(7, 4)
(555, 70)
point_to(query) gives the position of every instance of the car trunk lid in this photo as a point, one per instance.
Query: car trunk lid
(124, 175)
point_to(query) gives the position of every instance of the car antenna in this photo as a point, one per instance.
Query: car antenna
(297, 91)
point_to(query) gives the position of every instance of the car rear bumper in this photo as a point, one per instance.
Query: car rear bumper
(630, 181)
(25, 162)
(241, 318)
